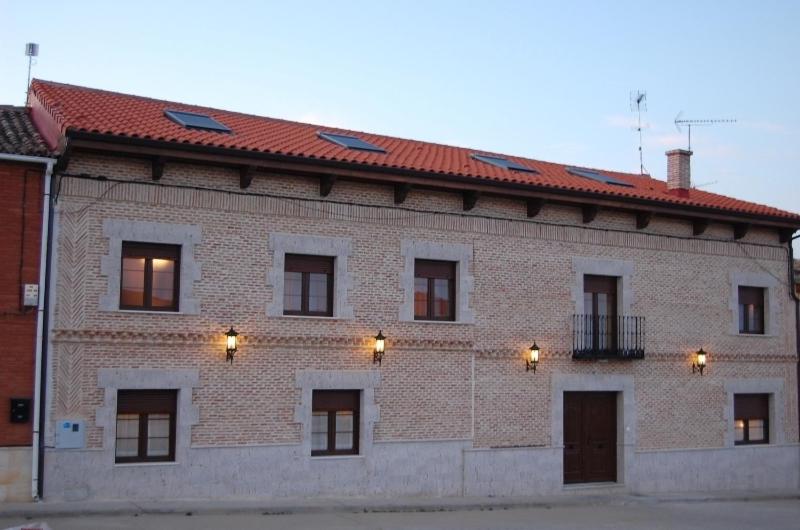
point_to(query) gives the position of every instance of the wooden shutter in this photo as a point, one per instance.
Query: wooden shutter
(600, 284)
(751, 296)
(150, 250)
(751, 406)
(305, 263)
(146, 401)
(425, 268)
(335, 400)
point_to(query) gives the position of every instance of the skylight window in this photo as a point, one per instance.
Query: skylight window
(350, 142)
(599, 177)
(504, 163)
(192, 120)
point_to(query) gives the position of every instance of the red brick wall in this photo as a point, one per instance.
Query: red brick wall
(22, 191)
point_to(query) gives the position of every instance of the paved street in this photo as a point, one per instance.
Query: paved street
(708, 515)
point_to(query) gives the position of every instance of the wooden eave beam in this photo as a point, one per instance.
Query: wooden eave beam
(470, 199)
(699, 226)
(534, 206)
(139, 147)
(740, 230)
(643, 220)
(401, 192)
(326, 183)
(157, 168)
(246, 176)
(589, 212)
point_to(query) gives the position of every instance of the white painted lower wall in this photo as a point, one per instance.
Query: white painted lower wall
(433, 468)
(15, 474)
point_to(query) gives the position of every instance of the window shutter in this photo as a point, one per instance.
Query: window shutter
(305, 263)
(335, 400)
(425, 268)
(600, 284)
(146, 401)
(751, 296)
(751, 406)
(150, 250)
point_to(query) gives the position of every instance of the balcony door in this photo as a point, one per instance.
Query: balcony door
(600, 307)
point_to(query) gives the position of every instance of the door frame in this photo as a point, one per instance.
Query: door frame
(626, 414)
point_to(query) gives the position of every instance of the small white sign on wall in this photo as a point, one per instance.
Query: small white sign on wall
(30, 295)
(70, 434)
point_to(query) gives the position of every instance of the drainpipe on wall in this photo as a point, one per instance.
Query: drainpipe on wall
(793, 293)
(41, 344)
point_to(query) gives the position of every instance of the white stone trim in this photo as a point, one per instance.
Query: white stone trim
(771, 301)
(626, 413)
(365, 380)
(465, 283)
(777, 403)
(338, 247)
(604, 267)
(119, 230)
(114, 379)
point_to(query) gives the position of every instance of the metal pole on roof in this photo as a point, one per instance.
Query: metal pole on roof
(31, 51)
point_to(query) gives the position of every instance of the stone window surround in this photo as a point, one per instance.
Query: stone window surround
(412, 250)
(766, 385)
(111, 380)
(771, 309)
(119, 230)
(338, 247)
(626, 413)
(364, 380)
(604, 267)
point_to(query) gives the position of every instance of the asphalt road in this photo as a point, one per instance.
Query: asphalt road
(708, 515)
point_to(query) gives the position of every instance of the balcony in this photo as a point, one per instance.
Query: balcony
(607, 337)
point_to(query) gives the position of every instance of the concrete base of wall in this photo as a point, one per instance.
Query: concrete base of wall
(433, 469)
(15, 474)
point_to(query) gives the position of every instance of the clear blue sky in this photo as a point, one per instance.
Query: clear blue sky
(546, 80)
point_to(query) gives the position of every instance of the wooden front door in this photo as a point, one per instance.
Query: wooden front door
(590, 437)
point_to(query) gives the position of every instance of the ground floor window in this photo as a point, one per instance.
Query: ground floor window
(334, 422)
(145, 426)
(751, 419)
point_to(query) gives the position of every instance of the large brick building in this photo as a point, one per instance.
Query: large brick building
(24, 165)
(177, 224)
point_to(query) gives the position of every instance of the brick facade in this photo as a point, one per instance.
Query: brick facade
(445, 383)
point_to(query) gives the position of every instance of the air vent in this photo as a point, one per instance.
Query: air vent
(191, 120)
(596, 176)
(504, 163)
(350, 142)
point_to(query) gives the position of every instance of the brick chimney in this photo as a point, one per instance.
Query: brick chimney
(679, 172)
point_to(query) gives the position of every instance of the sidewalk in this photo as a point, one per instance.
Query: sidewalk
(285, 506)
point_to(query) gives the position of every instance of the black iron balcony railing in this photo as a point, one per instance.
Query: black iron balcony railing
(607, 337)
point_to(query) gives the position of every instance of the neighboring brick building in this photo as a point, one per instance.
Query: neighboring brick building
(24, 159)
(177, 223)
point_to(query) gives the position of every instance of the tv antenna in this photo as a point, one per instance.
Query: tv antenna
(31, 51)
(695, 123)
(639, 105)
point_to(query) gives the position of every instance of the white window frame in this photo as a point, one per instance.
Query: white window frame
(771, 301)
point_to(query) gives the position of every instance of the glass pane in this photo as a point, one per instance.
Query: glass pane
(421, 297)
(344, 429)
(318, 292)
(132, 282)
(163, 282)
(738, 430)
(755, 430)
(127, 435)
(157, 446)
(127, 447)
(292, 291)
(742, 313)
(319, 431)
(442, 306)
(158, 425)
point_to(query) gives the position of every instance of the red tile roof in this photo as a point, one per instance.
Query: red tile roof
(75, 108)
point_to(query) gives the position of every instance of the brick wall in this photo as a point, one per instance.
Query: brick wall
(19, 254)
(438, 381)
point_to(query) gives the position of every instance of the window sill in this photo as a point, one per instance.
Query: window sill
(444, 322)
(148, 312)
(336, 457)
(144, 464)
(755, 335)
(748, 446)
(312, 317)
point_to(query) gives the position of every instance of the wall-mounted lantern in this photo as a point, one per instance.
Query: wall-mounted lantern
(533, 358)
(699, 363)
(380, 345)
(232, 344)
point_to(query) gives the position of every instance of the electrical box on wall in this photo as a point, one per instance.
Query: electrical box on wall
(70, 434)
(30, 295)
(20, 410)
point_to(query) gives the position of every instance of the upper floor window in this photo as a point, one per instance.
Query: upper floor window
(145, 426)
(334, 422)
(434, 290)
(751, 310)
(308, 285)
(751, 419)
(150, 276)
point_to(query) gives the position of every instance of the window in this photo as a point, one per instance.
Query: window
(504, 163)
(751, 419)
(350, 142)
(308, 285)
(145, 426)
(434, 290)
(334, 422)
(599, 177)
(150, 276)
(600, 305)
(751, 310)
(192, 120)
